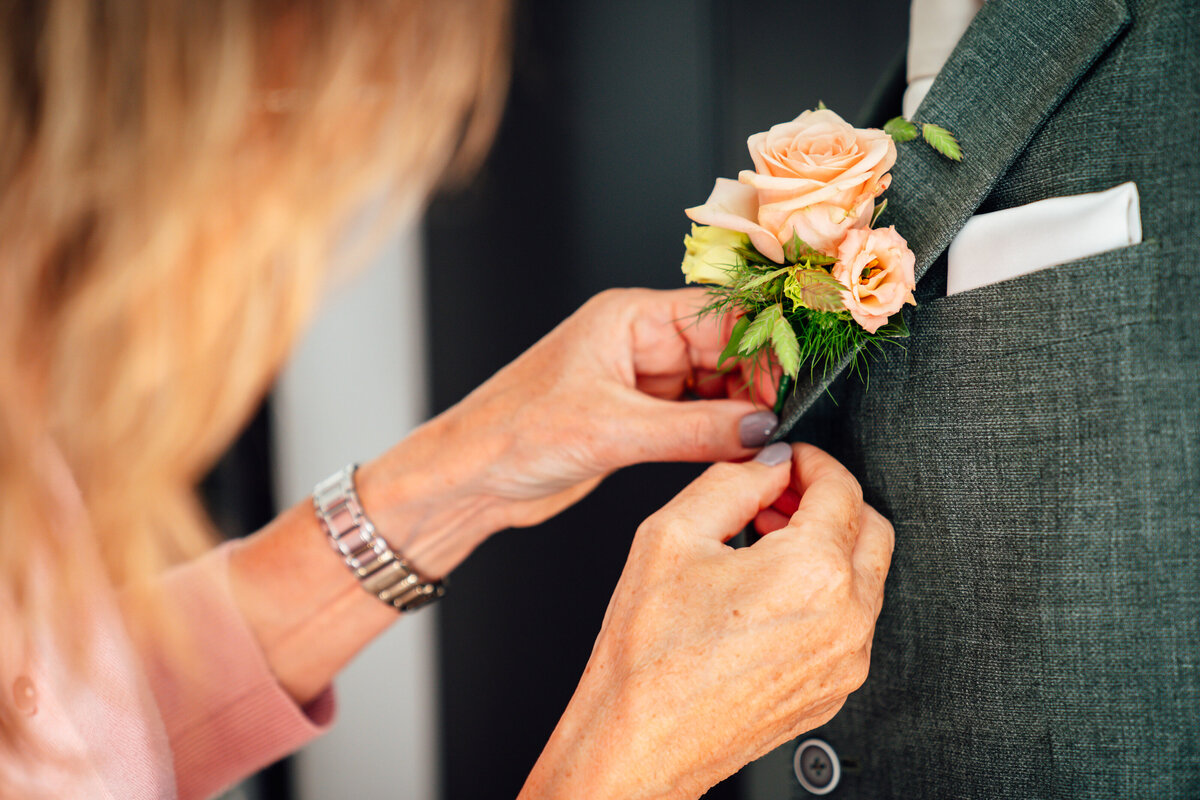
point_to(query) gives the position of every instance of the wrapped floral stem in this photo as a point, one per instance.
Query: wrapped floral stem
(781, 395)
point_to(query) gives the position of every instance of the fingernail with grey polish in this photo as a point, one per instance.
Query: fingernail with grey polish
(756, 428)
(774, 454)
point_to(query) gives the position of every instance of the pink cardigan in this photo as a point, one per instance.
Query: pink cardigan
(144, 731)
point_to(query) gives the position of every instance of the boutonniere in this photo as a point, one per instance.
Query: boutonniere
(793, 245)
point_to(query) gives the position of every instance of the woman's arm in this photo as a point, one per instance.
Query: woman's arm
(265, 623)
(707, 656)
(308, 612)
(598, 393)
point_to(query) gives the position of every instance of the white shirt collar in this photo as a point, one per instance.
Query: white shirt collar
(934, 29)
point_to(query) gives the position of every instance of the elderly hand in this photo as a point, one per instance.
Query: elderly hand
(601, 391)
(709, 657)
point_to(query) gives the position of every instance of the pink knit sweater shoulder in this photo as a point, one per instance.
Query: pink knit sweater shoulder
(143, 729)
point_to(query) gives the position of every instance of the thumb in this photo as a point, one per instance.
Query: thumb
(698, 430)
(727, 496)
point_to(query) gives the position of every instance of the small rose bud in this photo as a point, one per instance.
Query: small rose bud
(710, 253)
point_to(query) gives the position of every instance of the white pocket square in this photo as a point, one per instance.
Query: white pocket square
(1016, 241)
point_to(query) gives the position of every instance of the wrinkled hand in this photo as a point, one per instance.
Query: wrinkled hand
(709, 657)
(603, 391)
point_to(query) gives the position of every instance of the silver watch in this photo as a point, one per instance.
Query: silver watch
(378, 568)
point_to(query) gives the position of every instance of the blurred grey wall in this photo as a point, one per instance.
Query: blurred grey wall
(356, 384)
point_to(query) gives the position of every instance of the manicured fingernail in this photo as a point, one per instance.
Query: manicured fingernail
(756, 428)
(774, 454)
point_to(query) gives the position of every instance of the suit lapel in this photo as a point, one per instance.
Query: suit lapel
(1012, 68)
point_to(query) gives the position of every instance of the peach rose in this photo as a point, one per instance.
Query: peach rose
(876, 267)
(734, 206)
(816, 175)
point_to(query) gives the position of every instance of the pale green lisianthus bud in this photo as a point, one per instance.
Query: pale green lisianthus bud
(710, 255)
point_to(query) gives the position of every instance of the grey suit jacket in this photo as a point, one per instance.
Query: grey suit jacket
(1037, 443)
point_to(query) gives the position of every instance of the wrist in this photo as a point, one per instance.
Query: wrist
(424, 498)
(604, 748)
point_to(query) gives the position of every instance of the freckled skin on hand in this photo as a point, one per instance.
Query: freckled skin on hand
(684, 687)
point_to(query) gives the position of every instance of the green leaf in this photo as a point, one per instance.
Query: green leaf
(798, 250)
(735, 338)
(815, 289)
(758, 332)
(815, 258)
(821, 105)
(896, 327)
(783, 338)
(754, 283)
(754, 258)
(878, 212)
(942, 141)
(900, 129)
(793, 249)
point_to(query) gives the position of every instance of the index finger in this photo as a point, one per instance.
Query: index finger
(726, 496)
(830, 497)
(703, 337)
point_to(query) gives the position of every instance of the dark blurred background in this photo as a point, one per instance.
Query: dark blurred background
(621, 113)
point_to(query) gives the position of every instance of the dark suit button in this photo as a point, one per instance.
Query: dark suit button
(817, 766)
(25, 696)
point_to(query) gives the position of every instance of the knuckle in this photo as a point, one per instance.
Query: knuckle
(842, 505)
(611, 295)
(670, 531)
(865, 626)
(836, 707)
(872, 577)
(840, 647)
(810, 452)
(877, 519)
(847, 519)
(648, 531)
(852, 488)
(656, 546)
(657, 526)
(676, 529)
(606, 299)
(889, 532)
(859, 670)
(830, 558)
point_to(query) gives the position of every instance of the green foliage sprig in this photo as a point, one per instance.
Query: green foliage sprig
(794, 312)
(941, 140)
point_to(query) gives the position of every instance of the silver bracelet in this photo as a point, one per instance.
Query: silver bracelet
(378, 568)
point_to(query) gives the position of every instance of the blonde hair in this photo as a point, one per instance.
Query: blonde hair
(172, 174)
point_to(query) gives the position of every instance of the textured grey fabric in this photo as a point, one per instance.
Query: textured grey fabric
(1037, 443)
